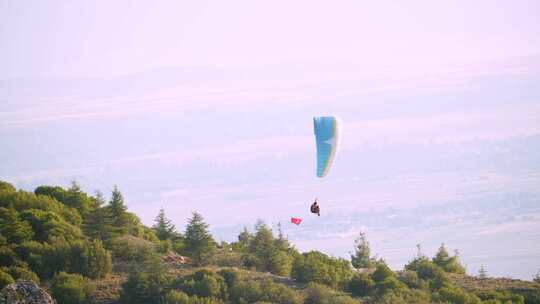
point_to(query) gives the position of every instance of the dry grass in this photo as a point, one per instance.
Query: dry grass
(471, 283)
(107, 290)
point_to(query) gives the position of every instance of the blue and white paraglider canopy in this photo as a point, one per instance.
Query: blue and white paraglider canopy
(327, 135)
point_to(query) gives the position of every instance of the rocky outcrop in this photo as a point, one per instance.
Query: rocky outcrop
(24, 292)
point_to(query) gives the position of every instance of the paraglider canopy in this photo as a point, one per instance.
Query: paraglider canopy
(327, 131)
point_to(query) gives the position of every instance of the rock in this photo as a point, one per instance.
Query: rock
(24, 292)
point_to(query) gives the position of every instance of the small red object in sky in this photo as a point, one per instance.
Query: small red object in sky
(296, 220)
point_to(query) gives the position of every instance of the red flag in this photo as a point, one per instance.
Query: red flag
(296, 220)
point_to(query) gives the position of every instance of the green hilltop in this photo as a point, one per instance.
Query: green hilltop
(83, 248)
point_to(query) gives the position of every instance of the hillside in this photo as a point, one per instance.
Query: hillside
(86, 249)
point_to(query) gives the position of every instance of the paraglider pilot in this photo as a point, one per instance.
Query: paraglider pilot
(315, 208)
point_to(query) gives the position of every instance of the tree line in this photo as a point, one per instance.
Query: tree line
(68, 239)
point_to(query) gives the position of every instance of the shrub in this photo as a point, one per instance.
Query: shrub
(320, 294)
(146, 284)
(22, 273)
(319, 268)
(381, 273)
(131, 249)
(7, 256)
(69, 288)
(361, 284)
(176, 297)
(203, 283)
(5, 279)
(457, 296)
(411, 279)
(98, 260)
(231, 277)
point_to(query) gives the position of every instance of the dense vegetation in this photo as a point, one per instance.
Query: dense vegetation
(70, 242)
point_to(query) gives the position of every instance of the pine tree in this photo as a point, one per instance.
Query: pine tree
(245, 237)
(118, 211)
(262, 246)
(163, 226)
(482, 273)
(198, 241)
(446, 262)
(99, 199)
(76, 198)
(117, 206)
(441, 257)
(361, 257)
(98, 223)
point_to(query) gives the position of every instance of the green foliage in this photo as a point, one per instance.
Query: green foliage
(361, 257)
(22, 200)
(8, 257)
(263, 252)
(263, 291)
(199, 244)
(262, 246)
(146, 284)
(429, 272)
(6, 187)
(446, 262)
(98, 224)
(203, 283)
(361, 285)
(411, 279)
(456, 296)
(381, 273)
(321, 294)
(495, 297)
(319, 268)
(131, 249)
(97, 260)
(118, 210)
(231, 276)
(176, 297)
(41, 237)
(21, 273)
(244, 238)
(70, 288)
(72, 197)
(163, 226)
(12, 228)
(5, 279)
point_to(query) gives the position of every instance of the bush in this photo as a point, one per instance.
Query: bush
(22, 273)
(176, 297)
(231, 277)
(319, 268)
(203, 283)
(265, 291)
(146, 284)
(70, 288)
(500, 297)
(320, 294)
(5, 279)
(98, 260)
(411, 279)
(457, 296)
(361, 284)
(131, 249)
(381, 273)
(7, 256)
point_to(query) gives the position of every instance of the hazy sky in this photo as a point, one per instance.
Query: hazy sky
(207, 106)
